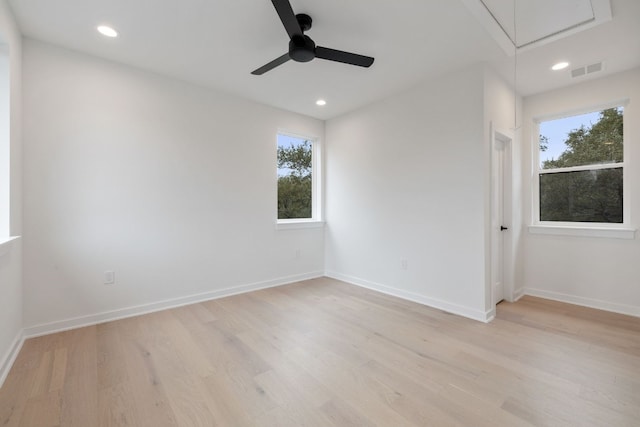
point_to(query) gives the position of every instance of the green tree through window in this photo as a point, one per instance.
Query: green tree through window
(295, 183)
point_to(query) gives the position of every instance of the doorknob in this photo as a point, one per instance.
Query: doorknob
(502, 228)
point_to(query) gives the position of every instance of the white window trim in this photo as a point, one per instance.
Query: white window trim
(6, 243)
(316, 220)
(570, 229)
(291, 224)
(581, 229)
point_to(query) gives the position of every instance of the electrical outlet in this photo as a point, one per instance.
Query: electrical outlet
(109, 277)
(405, 264)
(297, 253)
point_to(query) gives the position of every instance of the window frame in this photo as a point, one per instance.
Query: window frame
(586, 229)
(316, 219)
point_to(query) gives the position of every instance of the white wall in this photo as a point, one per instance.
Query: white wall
(406, 180)
(599, 272)
(170, 185)
(10, 253)
(5, 139)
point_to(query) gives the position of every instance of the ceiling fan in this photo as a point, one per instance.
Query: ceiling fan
(301, 47)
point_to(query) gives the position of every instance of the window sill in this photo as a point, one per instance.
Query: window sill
(295, 224)
(556, 230)
(5, 244)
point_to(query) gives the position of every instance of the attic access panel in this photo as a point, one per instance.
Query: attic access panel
(537, 22)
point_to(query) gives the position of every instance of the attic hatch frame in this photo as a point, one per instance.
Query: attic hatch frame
(601, 13)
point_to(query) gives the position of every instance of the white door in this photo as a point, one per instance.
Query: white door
(498, 227)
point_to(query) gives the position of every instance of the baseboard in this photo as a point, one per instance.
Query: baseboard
(421, 299)
(586, 302)
(517, 294)
(108, 316)
(7, 361)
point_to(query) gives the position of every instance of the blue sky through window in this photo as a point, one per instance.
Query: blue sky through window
(557, 130)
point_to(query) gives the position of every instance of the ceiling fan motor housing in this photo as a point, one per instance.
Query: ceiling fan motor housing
(302, 48)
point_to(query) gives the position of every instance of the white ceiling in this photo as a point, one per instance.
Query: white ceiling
(217, 43)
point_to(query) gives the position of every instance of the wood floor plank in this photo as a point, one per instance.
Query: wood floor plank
(116, 405)
(229, 408)
(112, 365)
(352, 385)
(79, 402)
(297, 412)
(42, 410)
(149, 398)
(15, 392)
(43, 375)
(305, 387)
(342, 414)
(324, 353)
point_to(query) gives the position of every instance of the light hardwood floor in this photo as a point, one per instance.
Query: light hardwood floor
(324, 353)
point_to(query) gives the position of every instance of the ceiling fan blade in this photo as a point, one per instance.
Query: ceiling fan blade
(271, 65)
(344, 57)
(288, 18)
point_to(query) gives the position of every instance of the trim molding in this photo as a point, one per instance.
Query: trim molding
(459, 310)
(575, 231)
(7, 361)
(586, 302)
(292, 224)
(517, 294)
(108, 316)
(6, 243)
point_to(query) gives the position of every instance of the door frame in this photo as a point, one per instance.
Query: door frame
(505, 138)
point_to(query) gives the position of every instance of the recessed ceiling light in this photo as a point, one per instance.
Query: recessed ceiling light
(321, 102)
(560, 66)
(107, 31)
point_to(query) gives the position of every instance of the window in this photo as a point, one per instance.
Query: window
(298, 179)
(581, 170)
